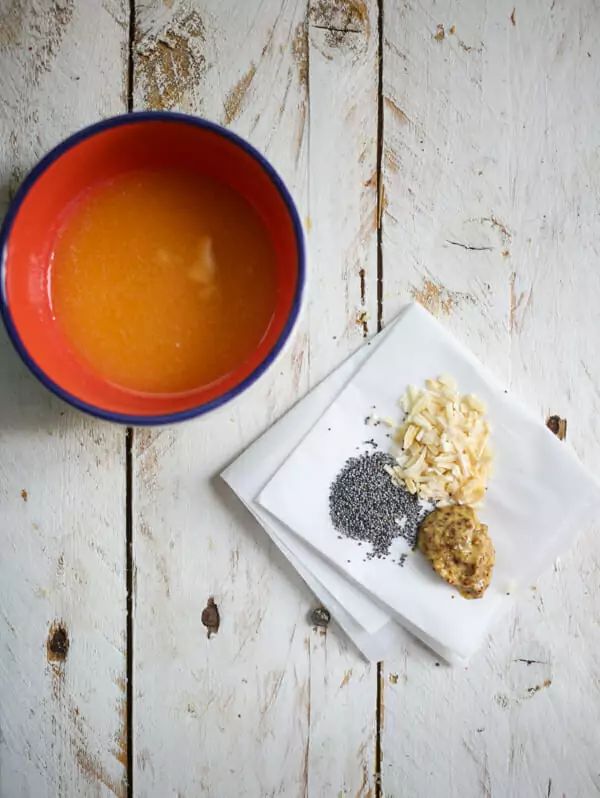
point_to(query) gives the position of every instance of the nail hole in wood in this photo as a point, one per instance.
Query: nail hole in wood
(211, 618)
(558, 426)
(58, 643)
(320, 617)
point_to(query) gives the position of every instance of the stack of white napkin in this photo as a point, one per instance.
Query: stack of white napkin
(539, 495)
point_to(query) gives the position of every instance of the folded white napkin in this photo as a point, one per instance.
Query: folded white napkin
(369, 625)
(364, 621)
(539, 496)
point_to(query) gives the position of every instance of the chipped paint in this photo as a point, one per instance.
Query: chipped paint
(434, 297)
(362, 320)
(93, 771)
(300, 53)
(43, 29)
(391, 161)
(346, 678)
(396, 112)
(536, 688)
(365, 790)
(169, 64)
(505, 234)
(148, 446)
(468, 48)
(383, 203)
(235, 98)
(120, 753)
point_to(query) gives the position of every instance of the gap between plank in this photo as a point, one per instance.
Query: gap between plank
(379, 674)
(379, 165)
(379, 723)
(129, 566)
(130, 63)
(129, 586)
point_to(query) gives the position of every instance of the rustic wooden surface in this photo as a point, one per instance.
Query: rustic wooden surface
(443, 151)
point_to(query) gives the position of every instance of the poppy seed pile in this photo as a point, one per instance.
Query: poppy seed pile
(366, 505)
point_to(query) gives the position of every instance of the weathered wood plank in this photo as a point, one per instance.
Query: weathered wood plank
(490, 141)
(62, 521)
(257, 709)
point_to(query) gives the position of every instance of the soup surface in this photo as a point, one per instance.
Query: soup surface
(163, 281)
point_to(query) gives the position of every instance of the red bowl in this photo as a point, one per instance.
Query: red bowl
(101, 151)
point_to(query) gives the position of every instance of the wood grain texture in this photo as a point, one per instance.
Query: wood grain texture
(490, 143)
(258, 708)
(490, 196)
(62, 526)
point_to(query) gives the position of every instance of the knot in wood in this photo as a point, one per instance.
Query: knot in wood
(58, 643)
(210, 617)
(558, 426)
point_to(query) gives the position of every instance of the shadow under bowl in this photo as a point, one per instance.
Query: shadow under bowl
(150, 140)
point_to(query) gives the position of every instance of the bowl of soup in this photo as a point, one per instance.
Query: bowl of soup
(151, 268)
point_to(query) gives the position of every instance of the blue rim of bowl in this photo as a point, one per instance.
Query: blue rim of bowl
(48, 160)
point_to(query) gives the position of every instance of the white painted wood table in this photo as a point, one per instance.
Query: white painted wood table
(446, 151)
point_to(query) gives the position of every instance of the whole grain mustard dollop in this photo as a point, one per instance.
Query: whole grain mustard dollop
(459, 548)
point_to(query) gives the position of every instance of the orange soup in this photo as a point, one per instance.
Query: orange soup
(163, 281)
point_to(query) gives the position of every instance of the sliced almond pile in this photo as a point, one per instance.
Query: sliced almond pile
(444, 440)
